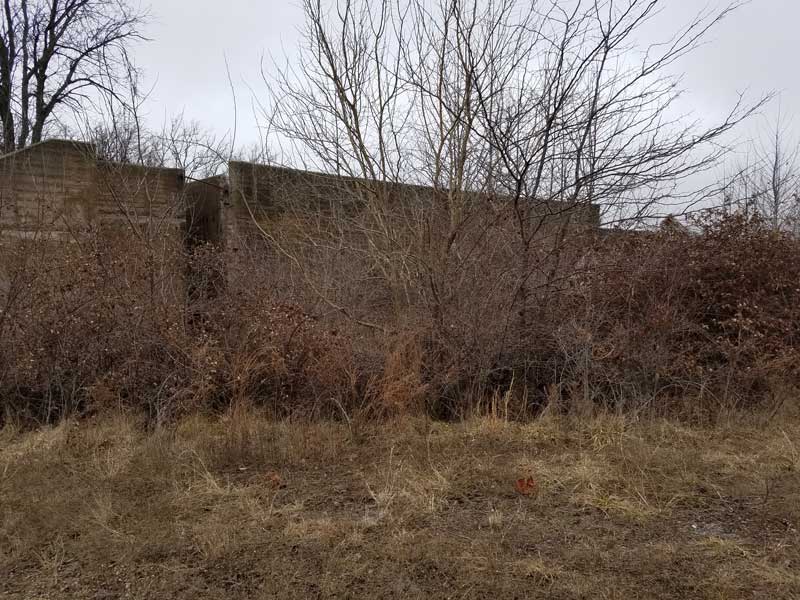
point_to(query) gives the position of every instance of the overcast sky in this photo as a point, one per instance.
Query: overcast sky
(754, 49)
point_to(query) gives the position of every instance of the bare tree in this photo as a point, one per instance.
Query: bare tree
(553, 98)
(54, 55)
(547, 105)
(518, 120)
(179, 144)
(767, 182)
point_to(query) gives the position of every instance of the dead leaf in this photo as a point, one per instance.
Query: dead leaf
(274, 479)
(526, 487)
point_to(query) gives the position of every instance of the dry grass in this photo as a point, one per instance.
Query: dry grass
(252, 508)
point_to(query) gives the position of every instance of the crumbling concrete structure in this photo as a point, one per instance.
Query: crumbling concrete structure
(57, 185)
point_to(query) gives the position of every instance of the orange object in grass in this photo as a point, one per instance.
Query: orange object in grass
(526, 487)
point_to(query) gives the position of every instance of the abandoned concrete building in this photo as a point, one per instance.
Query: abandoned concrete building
(57, 186)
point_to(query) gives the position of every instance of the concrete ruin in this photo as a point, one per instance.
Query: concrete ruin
(57, 186)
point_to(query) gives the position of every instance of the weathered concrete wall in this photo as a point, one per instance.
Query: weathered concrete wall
(137, 193)
(205, 200)
(44, 183)
(57, 185)
(272, 190)
(265, 191)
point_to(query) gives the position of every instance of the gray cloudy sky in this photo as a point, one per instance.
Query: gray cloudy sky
(754, 49)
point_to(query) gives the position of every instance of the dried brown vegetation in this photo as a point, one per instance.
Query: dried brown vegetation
(461, 388)
(688, 323)
(246, 507)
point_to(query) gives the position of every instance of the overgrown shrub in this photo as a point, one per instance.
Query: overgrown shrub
(703, 318)
(103, 320)
(709, 313)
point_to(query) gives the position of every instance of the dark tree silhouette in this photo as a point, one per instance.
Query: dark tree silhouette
(54, 55)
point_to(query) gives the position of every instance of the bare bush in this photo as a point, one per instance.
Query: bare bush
(678, 321)
(707, 317)
(526, 124)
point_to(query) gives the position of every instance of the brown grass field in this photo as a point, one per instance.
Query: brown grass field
(244, 507)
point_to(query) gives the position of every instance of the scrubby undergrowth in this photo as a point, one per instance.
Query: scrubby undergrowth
(674, 321)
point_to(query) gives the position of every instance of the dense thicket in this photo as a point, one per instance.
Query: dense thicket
(688, 320)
